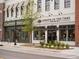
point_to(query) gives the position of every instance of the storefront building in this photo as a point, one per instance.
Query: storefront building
(14, 21)
(56, 21)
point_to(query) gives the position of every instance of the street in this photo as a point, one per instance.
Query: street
(17, 55)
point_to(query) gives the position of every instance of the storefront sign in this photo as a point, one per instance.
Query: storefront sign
(56, 19)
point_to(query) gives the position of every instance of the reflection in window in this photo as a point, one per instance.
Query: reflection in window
(39, 5)
(56, 4)
(66, 3)
(39, 35)
(47, 5)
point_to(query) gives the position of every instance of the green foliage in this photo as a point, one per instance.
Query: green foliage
(58, 45)
(62, 45)
(42, 44)
(55, 45)
(29, 16)
(67, 46)
(49, 44)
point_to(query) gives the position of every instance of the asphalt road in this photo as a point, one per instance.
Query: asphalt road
(17, 55)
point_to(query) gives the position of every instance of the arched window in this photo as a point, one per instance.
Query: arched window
(22, 8)
(7, 11)
(17, 10)
(12, 11)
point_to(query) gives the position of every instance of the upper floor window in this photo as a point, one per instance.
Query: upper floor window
(39, 5)
(7, 12)
(56, 4)
(66, 3)
(17, 11)
(12, 11)
(47, 5)
(22, 8)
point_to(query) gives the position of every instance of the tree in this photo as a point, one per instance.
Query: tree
(29, 17)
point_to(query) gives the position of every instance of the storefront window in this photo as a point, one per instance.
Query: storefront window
(39, 35)
(62, 35)
(21, 36)
(52, 33)
(66, 33)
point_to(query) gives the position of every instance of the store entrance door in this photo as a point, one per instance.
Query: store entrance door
(52, 35)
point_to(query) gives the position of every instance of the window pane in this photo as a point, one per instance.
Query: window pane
(11, 11)
(66, 3)
(39, 5)
(56, 4)
(47, 5)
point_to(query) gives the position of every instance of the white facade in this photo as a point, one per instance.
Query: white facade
(50, 18)
(62, 16)
(14, 3)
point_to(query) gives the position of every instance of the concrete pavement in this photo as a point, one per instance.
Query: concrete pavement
(69, 54)
(17, 55)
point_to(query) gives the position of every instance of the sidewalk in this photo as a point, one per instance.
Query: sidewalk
(69, 54)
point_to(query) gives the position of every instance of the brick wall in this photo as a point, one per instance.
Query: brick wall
(77, 22)
(1, 20)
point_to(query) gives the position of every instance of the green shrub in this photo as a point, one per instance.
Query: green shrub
(49, 44)
(62, 45)
(42, 43)
(45, 46)
(55, 45)
(52, 42)
(59, 45)
(67, 46)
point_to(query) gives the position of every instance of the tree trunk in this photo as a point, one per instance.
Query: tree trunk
(30, 37)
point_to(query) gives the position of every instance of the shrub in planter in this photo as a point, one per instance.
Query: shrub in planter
(49, 44)
(52, 46)
(62, 45)
(41, 43)
(67, 46)
(52, 42)
(58, 45)
(55, 44)
(44, 46)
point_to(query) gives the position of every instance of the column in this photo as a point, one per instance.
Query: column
(46, 34)
(32, 36)
(57, 33)
(67, 35)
